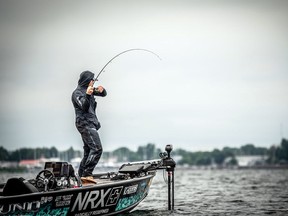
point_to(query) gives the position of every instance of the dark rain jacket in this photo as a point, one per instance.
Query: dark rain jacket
(84, 104)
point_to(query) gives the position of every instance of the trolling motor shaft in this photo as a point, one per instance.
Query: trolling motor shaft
(169, 164)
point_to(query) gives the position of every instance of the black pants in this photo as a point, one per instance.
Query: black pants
(92, 148)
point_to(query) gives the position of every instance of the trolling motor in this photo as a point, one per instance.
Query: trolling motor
(169, 164)
(166, 162)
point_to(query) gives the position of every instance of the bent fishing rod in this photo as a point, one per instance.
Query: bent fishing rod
(129, 50)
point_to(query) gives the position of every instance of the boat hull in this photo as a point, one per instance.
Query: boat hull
(101, 199)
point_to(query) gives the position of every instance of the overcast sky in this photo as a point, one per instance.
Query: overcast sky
(222, 80)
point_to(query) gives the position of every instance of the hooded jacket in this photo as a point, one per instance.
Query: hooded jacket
(84, 104)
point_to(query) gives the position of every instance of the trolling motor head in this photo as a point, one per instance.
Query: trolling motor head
(166, 154)
(168, 149)
(167, 161)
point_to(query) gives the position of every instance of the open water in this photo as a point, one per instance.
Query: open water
(215, 192)
(220, 192)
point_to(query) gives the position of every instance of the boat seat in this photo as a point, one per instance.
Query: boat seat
(18, 186)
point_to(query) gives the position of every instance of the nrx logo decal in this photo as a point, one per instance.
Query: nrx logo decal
(96, 199)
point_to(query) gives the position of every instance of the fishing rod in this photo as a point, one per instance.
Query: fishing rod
(135, 49)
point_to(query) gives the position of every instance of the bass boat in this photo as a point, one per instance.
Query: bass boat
(58, 190)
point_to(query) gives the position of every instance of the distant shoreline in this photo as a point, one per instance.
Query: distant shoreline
(267, 167)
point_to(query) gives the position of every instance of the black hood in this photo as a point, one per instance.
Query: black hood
(85, 78)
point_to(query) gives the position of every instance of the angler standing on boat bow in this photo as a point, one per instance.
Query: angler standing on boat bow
(87, 122)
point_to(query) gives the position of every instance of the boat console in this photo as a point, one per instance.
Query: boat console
(56, 176)
(64, 175)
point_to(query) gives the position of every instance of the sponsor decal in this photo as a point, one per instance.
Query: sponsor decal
(31, 206)
(130, 190)
(96, 199)
(49, 210)
(128, 201)
(114, 196)
(97, 212)
(62, 201)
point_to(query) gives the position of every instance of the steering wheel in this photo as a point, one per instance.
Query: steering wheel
(45, 180)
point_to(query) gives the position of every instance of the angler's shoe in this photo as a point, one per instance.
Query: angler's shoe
(88, 180)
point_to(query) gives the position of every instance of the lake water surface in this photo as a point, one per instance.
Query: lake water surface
(215, 192)
(220, 192)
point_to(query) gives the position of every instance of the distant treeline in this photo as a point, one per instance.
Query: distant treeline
(37, 153)
(274, 154)
(122, 154)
